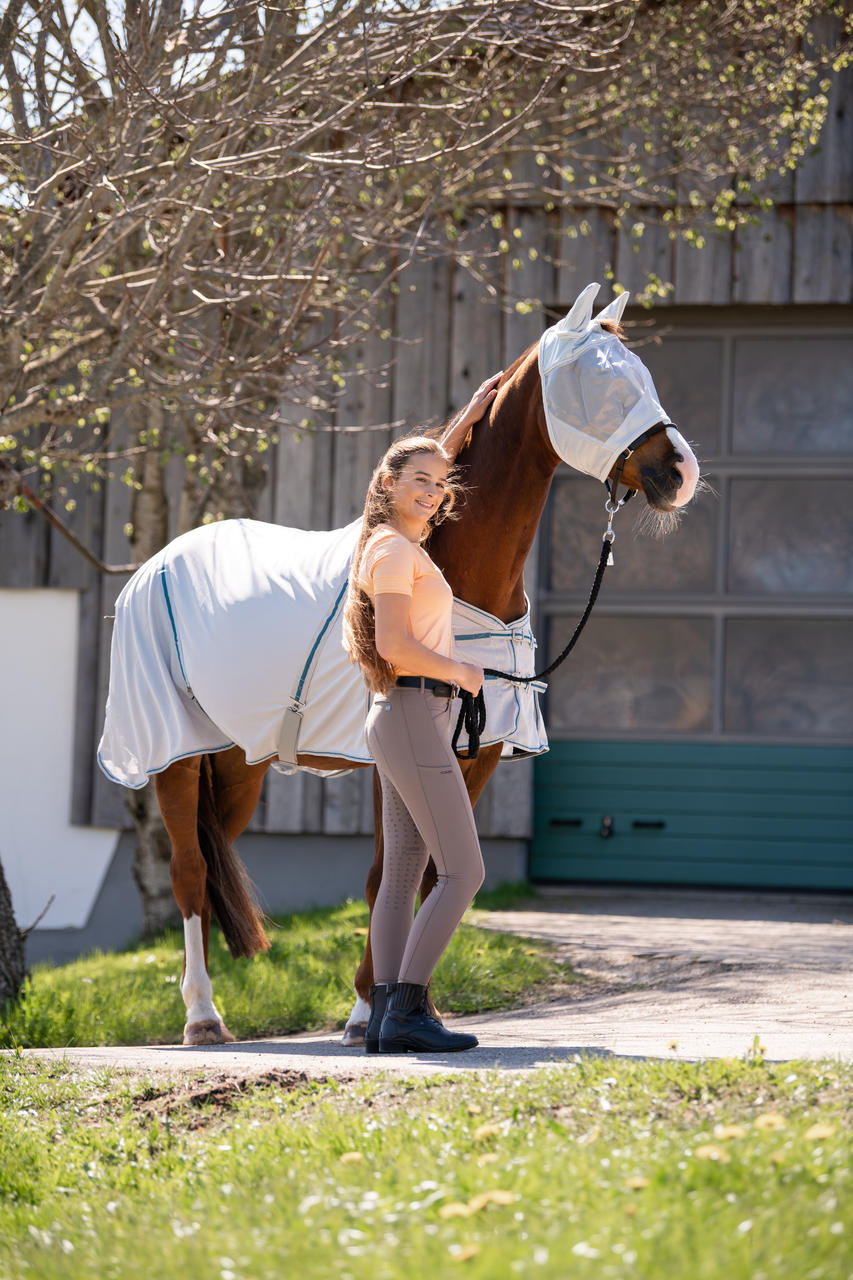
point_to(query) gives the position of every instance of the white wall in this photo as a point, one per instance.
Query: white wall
(42, 854)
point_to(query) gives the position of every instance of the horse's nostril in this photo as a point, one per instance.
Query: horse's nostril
(677, 477)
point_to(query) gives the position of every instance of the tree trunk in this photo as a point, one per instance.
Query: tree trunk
(151, 861)
(13, 967)
(150, 518)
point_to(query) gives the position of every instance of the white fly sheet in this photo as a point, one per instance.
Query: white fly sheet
(233, 624)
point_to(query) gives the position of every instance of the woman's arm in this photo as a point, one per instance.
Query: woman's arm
(396, 644)
(456, 433)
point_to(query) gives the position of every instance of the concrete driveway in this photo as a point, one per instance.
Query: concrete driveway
(667, 974)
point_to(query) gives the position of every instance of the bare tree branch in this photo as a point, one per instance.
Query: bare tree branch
(202, 213)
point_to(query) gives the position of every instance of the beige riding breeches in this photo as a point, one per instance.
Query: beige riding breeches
(426, 813)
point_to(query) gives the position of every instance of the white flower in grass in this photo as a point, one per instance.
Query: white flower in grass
(585, 1250)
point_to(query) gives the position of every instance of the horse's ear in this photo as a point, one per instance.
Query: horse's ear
(613, 311)
(581, 313)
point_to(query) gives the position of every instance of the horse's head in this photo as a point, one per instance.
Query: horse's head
(601, 408)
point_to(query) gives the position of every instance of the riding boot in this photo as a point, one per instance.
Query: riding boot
(378, 1000)
(408, 1028)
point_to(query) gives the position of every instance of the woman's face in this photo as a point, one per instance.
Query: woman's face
(419, 490)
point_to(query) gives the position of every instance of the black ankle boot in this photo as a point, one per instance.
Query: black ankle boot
(378, 1000)
(408, 1028)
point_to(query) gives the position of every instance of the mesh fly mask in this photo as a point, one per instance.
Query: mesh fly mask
(599, 397)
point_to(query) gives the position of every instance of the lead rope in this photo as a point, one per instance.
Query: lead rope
(472, 713)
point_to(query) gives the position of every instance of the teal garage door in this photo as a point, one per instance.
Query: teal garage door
(702, 730)
(657, 813)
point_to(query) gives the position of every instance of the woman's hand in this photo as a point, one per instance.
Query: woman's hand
(469, 676)
(480, 401)
(455, 435)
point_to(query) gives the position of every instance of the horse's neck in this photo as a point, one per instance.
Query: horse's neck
(506, 471)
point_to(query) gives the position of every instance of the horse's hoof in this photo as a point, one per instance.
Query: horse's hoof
(354, 1033)
(211, 1031)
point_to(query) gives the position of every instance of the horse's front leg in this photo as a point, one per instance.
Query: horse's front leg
(177, 790)
(476, 773)
(357, 1023)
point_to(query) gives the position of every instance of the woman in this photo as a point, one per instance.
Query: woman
(397, 626)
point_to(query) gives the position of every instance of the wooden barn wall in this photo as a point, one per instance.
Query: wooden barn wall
(450, 331)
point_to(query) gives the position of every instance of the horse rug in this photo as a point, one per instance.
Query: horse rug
(233, 635)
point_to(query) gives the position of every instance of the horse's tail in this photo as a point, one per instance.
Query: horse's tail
(230, 891)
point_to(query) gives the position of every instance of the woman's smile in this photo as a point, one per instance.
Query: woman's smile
(419, 491)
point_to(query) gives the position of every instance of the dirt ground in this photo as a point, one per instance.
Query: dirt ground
(668, 974)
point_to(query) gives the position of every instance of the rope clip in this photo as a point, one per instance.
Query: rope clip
(609, 535)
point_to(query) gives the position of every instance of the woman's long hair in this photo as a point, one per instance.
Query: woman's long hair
(359, 630)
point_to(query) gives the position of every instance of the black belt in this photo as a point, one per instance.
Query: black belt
(439, 687)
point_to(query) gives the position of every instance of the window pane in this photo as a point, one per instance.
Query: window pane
(789, 536)
(632, 675)
(683, 561)
(793, 395)
(789, 677)
(688, 374)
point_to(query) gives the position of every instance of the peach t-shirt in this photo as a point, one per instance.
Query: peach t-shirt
(390, 563)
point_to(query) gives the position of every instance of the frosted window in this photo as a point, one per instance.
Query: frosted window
(793, 395)
(632, 675)
(791, 537)
(791, 677)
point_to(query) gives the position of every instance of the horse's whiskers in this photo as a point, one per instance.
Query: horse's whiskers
(651, 523)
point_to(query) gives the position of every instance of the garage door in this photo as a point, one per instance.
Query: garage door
(702, 732)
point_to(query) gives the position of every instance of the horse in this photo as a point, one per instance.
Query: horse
(506, 465)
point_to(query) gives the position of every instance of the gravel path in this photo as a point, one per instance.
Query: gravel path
(669, 974)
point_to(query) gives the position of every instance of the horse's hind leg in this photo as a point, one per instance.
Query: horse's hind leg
(238, 788)
(177, 794)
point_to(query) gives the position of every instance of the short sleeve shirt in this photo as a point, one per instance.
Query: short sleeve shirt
(390, 563)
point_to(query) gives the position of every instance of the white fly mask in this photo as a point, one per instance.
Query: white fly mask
(598, 396)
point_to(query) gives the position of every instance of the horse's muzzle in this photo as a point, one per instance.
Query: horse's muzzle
(661, 484)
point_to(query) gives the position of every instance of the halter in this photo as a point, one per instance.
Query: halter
(612, 486)
(472, 712)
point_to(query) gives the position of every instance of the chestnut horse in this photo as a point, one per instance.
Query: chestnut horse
(506, 468)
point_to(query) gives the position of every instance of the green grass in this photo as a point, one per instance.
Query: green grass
(600, 1168)
(305, 981)
(506, 896)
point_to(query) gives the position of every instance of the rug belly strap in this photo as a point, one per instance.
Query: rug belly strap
(287, 745)
(291, 721)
